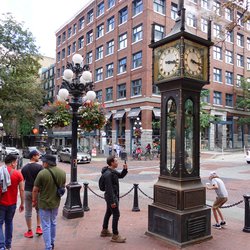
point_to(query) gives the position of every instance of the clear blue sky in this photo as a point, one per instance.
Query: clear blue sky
(43, 18)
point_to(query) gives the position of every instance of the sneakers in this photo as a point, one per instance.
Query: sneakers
(118, 238)
(39, 231)
(28, 234)
(217, 226)
(105, 233)
(223, 223)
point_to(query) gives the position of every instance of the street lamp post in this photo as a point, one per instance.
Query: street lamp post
(137, 129)
(77, 81)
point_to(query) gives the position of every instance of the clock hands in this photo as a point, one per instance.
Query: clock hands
(194, 62)
(171, 62)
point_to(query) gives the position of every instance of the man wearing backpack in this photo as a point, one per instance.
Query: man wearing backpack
(110, 178)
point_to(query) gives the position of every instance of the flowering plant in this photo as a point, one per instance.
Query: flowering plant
(137, 132)
(91, 116)
(56, 114)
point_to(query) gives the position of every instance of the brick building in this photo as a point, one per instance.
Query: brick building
(113, 37)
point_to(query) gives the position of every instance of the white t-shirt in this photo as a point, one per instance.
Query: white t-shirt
(221, 191)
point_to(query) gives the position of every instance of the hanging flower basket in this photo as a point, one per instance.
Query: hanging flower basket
(137, 132)
(91, 116)
(56, 114)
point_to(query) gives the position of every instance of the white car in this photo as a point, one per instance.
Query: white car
(10, 150)
(248, 156)
(64, 155)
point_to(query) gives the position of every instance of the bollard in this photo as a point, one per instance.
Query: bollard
(247, 214)
(85, 197)
(135, 206)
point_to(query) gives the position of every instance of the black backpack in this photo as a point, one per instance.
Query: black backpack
(102, 182)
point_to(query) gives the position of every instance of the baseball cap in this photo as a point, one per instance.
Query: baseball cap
(33, 153)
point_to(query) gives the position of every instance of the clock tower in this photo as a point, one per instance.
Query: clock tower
(180, 69)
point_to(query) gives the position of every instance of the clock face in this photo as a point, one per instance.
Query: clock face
(193, 61)
(169, 61)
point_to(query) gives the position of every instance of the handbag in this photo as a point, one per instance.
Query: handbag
(60, 190)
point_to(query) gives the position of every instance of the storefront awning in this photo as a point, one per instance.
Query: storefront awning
(119, 114)
(157, 112)
(108, 115)
(134, 112)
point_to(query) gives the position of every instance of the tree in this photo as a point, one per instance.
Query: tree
(21, 95)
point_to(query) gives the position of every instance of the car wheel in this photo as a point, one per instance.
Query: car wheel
(248, 162)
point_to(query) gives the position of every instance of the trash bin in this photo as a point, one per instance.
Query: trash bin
(124, 156)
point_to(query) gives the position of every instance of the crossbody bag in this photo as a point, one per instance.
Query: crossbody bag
(60, 190)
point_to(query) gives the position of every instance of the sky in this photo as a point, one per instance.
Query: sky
(43, 18)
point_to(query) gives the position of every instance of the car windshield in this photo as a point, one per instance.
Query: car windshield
(10, 148)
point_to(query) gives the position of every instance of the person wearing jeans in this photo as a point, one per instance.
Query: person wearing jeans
(45, 194)
(8, 199)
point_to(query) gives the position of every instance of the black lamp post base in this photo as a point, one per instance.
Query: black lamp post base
(73, 206)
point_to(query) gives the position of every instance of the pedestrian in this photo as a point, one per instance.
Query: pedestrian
(29, 172)
(222, 195)
(12, 181)
(45, 194)
(111, 195)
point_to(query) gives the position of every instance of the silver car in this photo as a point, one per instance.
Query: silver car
(64, 155)
(10, 150)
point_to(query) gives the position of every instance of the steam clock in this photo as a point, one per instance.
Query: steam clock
(180, 69)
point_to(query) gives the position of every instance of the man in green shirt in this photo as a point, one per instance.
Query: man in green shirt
(45, 193)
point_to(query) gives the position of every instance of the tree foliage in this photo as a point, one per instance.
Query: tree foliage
(21, 95)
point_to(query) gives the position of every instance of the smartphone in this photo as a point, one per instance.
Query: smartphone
(125, 161)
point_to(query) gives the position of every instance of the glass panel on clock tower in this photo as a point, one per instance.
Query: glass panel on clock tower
(170, 134)
(188, 133)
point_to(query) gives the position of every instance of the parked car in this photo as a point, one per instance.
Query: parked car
(10, 150)
(248, 156)
(27, 150)
(51, 150)
(64, 155)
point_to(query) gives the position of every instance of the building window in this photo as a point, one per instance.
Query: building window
(248, 63)
(229, 78)
(122, 65)
(230, 36)
(90, 37)
(248, 43)
(217, 98)
(58, 40)
(217, 75)
(174, 11)
(63, 53)
(229, 14)
(99, 95)
(58, 57)
(89, 57)
(121, 91)
(74, 28)
(217, 8)
(58, 73)
(248, 24)
(205, 96)
(137, 7)
(122, 41)
(99, 53)
(229, 100)
(98, 74)
(205, 4)
(238, 80)
(69, 32)
(137, 33)
(110, 47)
(156, 90)
(159, 6)
(204, 25)
(111, 3)
(240, 19)
(137, 60)
(136, 87)
(229, 56)
(158, 32)
(74, 47)
(100, 9)
(240, 40)
(110, 24)
(81, 23)
(69, 50)
(217, 53)
(123, 15)
(100, 30)
(62, 71)
(109, 70)
(80, 42)
(217, 30)
(191, 20)
(90, 16)
(109, 94)
(64, 36)
(240, 60)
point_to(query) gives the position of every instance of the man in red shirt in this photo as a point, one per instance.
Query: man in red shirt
(8, 200)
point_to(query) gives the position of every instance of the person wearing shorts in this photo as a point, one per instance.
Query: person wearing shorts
(222, 196)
